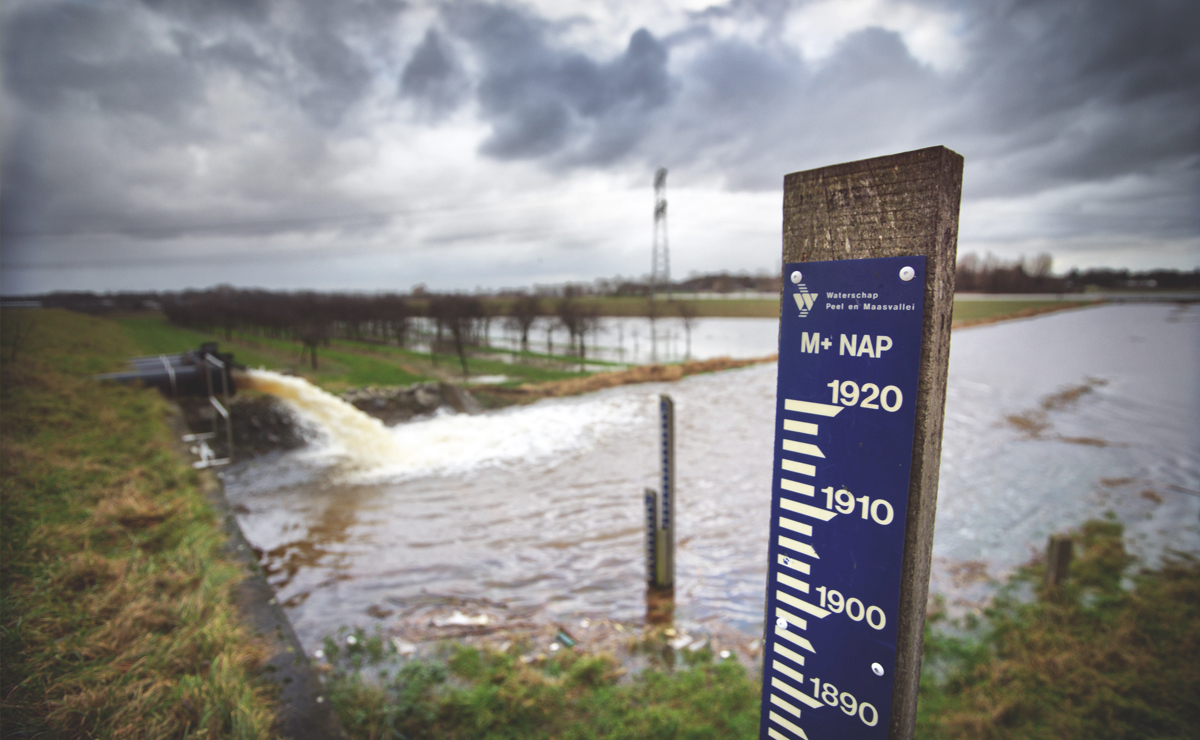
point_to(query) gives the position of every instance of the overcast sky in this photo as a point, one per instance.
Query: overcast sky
(379, 144)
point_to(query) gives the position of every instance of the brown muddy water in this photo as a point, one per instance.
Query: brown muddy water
(533, 515)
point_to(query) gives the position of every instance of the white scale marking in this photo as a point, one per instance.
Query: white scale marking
(791, 673)
(822, 514)
(797, 639)
(798, 565)
(809, 407)
(791, 709)
(795, 583)
(798, 467)
(800, 547)
(787, 725)
(803, 605)
(804, 489)
(788, 653)
(803, 448)
(799, 622)
(795, 526)
(796, 693)
(803, 427)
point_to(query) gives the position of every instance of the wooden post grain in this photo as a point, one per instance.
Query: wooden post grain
(899, 205)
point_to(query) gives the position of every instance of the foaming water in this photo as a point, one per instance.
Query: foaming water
(365, 451)
(453, 444)
(347, 433)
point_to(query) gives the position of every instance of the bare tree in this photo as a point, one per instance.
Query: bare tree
(589, 323)
(687, 315)
(396, 315)
(652, 314)
(570, 314)
(460, 314)
(522, 313)
(310, 324)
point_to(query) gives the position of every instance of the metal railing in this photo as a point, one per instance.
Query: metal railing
(208, 458)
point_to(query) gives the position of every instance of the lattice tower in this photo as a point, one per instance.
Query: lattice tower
(660, 269)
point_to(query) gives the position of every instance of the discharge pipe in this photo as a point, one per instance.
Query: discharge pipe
(200, 372)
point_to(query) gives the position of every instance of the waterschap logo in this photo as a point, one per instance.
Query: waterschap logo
(804, 299)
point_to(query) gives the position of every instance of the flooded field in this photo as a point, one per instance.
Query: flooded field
(537, 510)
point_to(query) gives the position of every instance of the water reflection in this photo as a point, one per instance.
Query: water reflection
(539, 508)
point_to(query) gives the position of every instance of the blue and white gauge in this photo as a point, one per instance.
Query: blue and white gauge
(849, 358)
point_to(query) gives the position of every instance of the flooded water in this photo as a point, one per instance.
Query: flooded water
(636, 340)
(1049, 421)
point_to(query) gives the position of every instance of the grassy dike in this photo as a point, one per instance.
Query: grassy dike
(1104, 656)
(115, 614)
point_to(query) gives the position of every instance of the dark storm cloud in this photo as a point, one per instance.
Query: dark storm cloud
(113, 96)
(169, 117)
(1048, 95)
(338, 75)
(250, 10)
(58, 51)
(1096, 89)
(544, 101)
(434, 76)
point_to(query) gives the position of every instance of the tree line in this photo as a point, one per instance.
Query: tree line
(456, 322)
(991, 274)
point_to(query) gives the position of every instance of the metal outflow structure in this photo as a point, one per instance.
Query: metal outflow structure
(200, 373)
(660, 267)
(207, 457)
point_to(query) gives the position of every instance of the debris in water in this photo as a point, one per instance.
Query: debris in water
(565, 638)
(458, 619)
(403, 647)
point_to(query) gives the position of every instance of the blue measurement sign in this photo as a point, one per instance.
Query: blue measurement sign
(849, 358)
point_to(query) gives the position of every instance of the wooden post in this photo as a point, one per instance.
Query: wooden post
(1058, 560)
(900, 205)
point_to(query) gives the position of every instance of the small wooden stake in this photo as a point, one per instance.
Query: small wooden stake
(1058, 559)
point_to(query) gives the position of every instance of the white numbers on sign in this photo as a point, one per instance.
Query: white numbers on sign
(869, 396)
(878, 510)
(829, 694)
(835, 602)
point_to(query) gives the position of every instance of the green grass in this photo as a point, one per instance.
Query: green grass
(531, 367)
(116, 613)
(487, 695)
(982, 311)
(153, 335)
(1087, 660)
(336, 369)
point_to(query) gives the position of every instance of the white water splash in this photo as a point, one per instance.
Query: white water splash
(447, 444)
